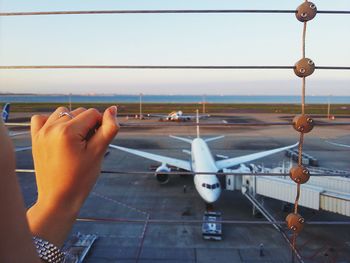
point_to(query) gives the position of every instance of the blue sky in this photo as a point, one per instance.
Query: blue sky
(169, 39)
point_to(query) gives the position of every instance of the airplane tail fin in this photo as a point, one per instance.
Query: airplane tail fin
(181, 139)
(6, 112)
(197, 121)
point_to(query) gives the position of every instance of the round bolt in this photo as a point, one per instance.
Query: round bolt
(306, 11)
(295, 222)
(299, 174)
(303, 123)
(304, 67)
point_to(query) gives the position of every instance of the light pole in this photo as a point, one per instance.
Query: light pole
(329, 108)
(70, 101)
(203, 102)
(140, 106)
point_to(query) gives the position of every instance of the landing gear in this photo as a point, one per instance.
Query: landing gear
(209, 207)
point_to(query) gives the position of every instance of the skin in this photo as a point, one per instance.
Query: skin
(67, 157)
(16, 245)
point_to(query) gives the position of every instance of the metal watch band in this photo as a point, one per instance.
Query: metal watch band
(48, 252)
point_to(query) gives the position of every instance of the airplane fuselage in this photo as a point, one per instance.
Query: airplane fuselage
(174, 116)
(207, 185)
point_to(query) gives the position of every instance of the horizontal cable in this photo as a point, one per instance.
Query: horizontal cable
(214, 11)
(161, 67)
(141, 67)
(332, 68)
(203, 124)
(194, 221)
(192, 173)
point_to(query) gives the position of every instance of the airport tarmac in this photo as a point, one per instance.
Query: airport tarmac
(141, 197)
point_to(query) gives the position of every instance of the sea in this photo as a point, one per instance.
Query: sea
(28, 98)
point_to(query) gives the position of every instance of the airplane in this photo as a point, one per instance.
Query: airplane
(338, 144)
(5, 116)
(176, 116)
(201, 160)
(5, 112)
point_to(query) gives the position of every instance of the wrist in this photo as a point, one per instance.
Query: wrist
(51, 222)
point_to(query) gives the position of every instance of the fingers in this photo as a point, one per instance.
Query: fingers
(37, 122)
(77, 111)
(108, 130)
(86, 122)
(55, 115)
(73, 113)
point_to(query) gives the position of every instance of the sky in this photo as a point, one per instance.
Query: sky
(172, 39)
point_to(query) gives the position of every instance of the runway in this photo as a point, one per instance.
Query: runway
(141, 197)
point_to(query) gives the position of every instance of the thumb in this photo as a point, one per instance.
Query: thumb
(107, 131)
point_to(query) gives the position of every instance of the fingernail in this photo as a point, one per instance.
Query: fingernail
(113, 110)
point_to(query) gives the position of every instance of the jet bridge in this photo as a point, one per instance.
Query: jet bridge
(329, 193)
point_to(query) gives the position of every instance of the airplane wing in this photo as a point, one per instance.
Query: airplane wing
(181, 139)
(250, 157)
(339, 144)
(13, 134)
(192, 117)
(21, 149)
(157, 115)
(155, 157)
(214, 138)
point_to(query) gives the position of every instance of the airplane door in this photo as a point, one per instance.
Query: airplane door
(230, 182)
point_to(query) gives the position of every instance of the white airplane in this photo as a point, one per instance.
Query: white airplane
(5, 116)
(176, 116)
(207, 185)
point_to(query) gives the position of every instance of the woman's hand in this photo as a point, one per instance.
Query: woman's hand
(67, 155)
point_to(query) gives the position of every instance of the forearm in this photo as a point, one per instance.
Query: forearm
(16, 244)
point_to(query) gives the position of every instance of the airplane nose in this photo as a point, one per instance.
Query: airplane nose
(212, 197)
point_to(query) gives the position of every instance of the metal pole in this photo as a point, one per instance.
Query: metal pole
(140, 106)
(329, 108)
(70, 101)
(203, 102)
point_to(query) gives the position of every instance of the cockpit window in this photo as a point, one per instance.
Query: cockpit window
(208, 186)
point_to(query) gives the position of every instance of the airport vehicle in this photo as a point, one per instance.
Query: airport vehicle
(201, 161)
(177, 116)
(306, 160)
(212, 227)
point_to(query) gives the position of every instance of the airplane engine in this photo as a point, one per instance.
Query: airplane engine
(161, 175)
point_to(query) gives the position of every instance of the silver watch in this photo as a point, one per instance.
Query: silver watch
(48, 252)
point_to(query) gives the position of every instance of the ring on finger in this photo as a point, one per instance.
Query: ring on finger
(64, 113)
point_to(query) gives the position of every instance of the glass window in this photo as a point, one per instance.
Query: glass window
(203, 184)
